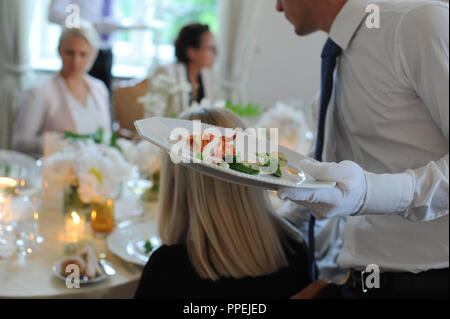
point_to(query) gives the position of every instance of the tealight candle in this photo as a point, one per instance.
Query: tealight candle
(5, 209)
(75, 226)
(8, 185)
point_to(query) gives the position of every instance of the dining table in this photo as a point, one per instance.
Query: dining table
(30, 276)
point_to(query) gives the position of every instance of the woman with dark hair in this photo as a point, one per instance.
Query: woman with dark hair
(195, 50)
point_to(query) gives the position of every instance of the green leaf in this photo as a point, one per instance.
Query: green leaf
(249, 110)
(278, 172)
(113, 142)
(148, 247)
(97, 137)
(6, 167)
(243, 168)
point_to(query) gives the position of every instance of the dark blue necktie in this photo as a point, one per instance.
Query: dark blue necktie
(329, 57)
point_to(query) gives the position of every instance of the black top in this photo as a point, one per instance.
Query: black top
(201, 90)
(169, 274)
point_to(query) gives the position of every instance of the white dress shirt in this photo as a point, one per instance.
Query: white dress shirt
(50, 107)
(390, 114)
(91, 11)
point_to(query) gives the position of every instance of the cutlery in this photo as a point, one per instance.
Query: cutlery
(107, 267)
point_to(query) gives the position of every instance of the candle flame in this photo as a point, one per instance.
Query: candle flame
(75, 218)
(8, 182)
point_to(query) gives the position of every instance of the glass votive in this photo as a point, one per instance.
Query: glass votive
(7, 244)
(8, 185)
(102, 215)
(25, 225)
(5, 210)
(75, 226)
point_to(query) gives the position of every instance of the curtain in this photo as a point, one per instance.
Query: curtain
(15, 28)
(238, 21)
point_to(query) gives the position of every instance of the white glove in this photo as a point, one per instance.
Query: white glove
(346, 198)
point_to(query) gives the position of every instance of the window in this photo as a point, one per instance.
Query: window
(134, 51)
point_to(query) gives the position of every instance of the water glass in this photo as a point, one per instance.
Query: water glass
(7, 244)
(25, 225)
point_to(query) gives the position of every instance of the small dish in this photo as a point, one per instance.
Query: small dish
(56, 268)
(128, 241)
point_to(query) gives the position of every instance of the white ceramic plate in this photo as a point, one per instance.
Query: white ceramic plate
(158, 130)
(56, 268)
(128, 241)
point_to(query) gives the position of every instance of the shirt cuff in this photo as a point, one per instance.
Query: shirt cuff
(387, 193)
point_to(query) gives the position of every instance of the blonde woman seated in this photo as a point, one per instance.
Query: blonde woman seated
(221, 240)
(70, 100)
(196, 52)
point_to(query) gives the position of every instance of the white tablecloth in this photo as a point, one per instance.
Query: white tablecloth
(32, 277)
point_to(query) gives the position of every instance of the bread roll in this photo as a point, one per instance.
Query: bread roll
(73, 260)
(91, 262)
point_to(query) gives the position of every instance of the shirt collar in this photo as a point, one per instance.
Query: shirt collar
(347, 21)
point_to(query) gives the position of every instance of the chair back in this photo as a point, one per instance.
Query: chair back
(128, 109)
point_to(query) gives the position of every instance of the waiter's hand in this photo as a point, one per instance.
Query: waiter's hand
(346, 198)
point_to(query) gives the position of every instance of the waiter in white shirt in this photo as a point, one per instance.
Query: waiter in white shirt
(105, 16)
(384, 139)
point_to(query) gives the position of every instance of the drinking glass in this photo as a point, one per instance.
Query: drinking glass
(25, 225)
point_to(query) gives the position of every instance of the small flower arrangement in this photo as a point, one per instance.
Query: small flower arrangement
(159, 99)
(293, 129)
(94, 171)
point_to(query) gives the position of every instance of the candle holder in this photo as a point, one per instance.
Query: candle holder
(75, 226)
(102, 215)
(72, 201)
(5, 210)
(8, 186)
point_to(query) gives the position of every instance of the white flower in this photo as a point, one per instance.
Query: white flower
(109, 169)
(293, 129)
(208, 103)
(99, 169)
(168, 85)
(128, 149)
(88, 186)
(154, 104)
(144, 155)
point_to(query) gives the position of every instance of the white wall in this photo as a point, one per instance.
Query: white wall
(285, 66)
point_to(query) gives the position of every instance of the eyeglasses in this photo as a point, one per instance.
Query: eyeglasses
(211, 48)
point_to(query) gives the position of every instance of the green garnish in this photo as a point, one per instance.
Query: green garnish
(148, 247)
(241, 167)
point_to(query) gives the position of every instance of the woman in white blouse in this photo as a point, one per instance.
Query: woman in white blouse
(70, 100)
(196, 52)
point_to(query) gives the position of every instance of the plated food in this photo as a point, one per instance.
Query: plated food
(221, 150)
(172, 135)
(85, 264)
(135, 241)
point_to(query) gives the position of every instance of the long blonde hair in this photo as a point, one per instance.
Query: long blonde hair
(230, 230)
